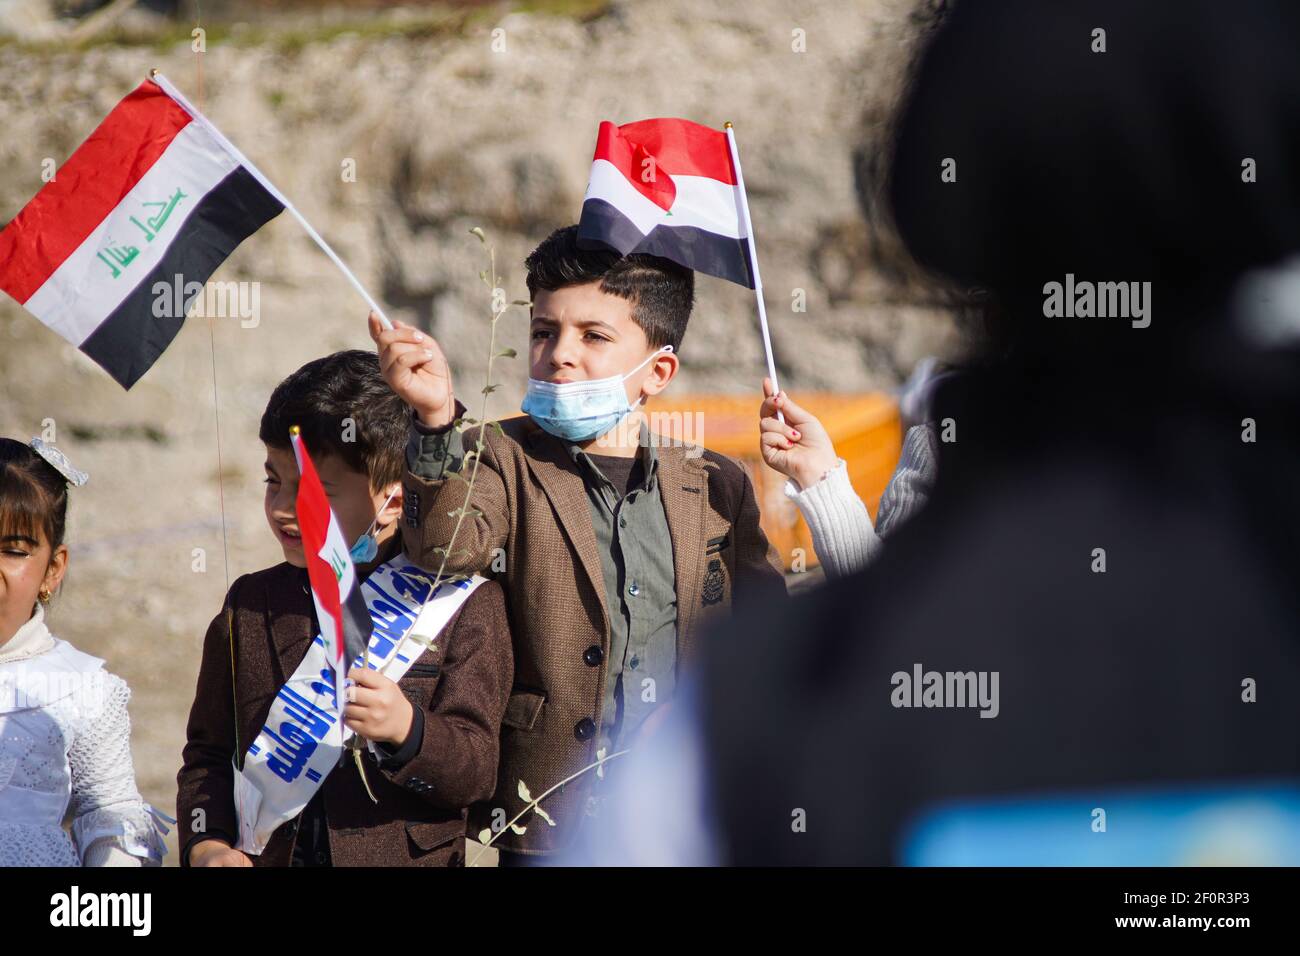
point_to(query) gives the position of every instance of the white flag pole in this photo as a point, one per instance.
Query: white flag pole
(753, 258)
(179, 97)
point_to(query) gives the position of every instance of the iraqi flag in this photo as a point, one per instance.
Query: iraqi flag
(668, 187)
(345, 623)
(156, 196)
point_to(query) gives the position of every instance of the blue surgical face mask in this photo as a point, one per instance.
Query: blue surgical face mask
(367, 548)
(581, 411)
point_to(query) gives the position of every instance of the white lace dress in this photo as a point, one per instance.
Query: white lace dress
(65, 746)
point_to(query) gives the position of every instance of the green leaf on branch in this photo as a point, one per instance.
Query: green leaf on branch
(478, 231)
(489, 389)
(507, 353)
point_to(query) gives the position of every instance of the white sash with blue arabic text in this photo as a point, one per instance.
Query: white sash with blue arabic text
(303, 738)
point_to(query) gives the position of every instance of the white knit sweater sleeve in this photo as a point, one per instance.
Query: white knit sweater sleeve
(840, 524)
(111, 825)
(841, 527)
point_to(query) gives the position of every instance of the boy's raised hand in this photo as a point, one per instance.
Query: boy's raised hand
(376, 707)
(415, 368)
(800, 448)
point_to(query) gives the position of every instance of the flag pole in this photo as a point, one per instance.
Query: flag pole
(179, 97)
(753, 259)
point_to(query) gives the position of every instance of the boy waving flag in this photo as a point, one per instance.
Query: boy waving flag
(345, 622)
(155, 195)
(668, 187)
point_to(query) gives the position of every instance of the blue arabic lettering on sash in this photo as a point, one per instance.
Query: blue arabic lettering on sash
(411, 581)
(295, 748)
(390, 623)
(308, 722)
(325, 686)
(314, 719)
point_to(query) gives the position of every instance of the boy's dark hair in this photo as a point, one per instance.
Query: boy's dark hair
(33, 495)
(661, 291)
(322, 395)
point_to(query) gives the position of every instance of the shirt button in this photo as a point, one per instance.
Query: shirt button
(634, 589)
(622, 522)
(585, 729)
(593, 656)
(634, 662)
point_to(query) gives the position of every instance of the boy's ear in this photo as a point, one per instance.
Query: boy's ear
(392, 511)
(662, 371)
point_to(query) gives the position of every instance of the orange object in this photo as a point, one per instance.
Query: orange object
(865, 428)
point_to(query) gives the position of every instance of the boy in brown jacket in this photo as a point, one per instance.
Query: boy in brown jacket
(615, 545)
(435, 731)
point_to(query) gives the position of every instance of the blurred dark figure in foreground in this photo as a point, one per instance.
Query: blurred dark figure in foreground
(1086, 649)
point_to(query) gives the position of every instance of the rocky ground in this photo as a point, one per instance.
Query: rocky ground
(445, 133)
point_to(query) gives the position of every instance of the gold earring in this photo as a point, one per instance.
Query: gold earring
(43, 596)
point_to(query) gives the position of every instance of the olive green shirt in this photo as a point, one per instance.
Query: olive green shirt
(636, 558)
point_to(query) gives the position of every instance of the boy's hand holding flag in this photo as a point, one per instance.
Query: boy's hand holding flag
(372, 706)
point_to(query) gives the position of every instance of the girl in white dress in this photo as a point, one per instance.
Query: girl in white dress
(64, 731)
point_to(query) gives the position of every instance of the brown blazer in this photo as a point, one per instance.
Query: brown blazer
(462, 684)
(535, 509)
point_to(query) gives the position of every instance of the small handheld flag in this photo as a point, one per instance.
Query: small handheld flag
(149, 196)
(345, 623)
(155, 196)
(673, 188)
(666, 187)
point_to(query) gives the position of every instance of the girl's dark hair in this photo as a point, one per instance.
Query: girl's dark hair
(33, 495)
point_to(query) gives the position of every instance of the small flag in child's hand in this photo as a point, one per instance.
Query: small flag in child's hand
(153, 196)
(345, 623)
(667, 187)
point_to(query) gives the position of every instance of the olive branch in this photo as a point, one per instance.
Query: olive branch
(487, 837)
(499, 308)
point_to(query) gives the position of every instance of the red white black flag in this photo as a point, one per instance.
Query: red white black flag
(345, 623)
(155, 196)
(668, 187)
